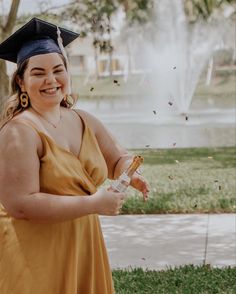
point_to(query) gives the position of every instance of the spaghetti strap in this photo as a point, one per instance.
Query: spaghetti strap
(77, 113)
(82, 119)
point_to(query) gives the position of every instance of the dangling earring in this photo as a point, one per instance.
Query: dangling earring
(69, 100)
(24, 100)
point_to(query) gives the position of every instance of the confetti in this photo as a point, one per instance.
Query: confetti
(154, 111)
(170, 103)
(116, 82)
(91, 89)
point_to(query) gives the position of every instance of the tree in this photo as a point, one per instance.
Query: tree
(137, 13)
(208, 10)
(7, 23)
(94, 18)
(196, 9)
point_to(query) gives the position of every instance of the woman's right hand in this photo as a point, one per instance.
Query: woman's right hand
(108, 202)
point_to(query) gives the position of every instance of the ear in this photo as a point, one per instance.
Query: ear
(21, 83)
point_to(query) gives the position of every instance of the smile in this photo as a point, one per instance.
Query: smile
(50, 91)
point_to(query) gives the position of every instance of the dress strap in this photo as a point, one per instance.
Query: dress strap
(77, 113)
(81, 117)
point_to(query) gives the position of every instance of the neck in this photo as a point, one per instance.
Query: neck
(52, 116)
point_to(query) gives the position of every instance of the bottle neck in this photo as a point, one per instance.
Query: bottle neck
(137, 160)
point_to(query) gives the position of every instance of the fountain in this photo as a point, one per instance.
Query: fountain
(169, 55)
(174, 54)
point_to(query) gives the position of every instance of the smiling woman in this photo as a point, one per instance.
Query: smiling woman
(45, 80)
(53, 160)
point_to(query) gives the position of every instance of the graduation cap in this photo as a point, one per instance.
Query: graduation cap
(35, 37)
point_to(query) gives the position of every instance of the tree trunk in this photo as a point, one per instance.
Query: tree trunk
(4, 87)
(110, 64)
(209, 71)
(5, 31)
(96, 62)
(110, 49)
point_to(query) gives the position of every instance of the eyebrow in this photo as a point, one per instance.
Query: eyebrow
(42, 69)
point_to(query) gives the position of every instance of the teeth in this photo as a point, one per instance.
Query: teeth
(50, 91)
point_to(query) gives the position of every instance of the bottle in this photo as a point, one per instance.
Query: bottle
(122, 183)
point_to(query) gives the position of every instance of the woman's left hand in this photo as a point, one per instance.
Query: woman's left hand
(139, 183)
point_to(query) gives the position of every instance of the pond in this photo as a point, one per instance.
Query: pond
(209, 127)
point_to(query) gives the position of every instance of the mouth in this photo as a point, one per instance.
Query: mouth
(50, 91)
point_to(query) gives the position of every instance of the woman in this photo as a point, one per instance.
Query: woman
(53, 159)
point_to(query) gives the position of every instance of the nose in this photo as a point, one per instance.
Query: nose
(50, 78)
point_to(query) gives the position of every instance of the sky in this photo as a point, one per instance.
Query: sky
(30, 6)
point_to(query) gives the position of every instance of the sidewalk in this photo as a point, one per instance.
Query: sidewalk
(159, 241)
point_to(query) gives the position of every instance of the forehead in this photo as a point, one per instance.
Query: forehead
(45, 60)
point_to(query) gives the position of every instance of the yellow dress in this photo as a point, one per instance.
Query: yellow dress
(67, 257)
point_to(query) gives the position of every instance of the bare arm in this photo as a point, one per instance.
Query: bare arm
(117, 158)
(19, 183)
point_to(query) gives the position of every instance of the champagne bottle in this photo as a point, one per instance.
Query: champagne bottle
(122, 183)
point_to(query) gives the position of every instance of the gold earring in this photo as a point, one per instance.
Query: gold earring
(24, 100)
(69, 100)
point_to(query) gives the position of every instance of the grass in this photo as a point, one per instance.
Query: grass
(224, 157)
(186, 279)
(191, 180)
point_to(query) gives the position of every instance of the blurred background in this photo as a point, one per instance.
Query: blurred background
(159, 74)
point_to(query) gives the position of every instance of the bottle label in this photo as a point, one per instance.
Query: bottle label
(124, 177)
(119, 187)
(121, 184)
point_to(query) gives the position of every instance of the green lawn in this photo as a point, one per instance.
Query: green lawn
(186, 279)
(191, 180)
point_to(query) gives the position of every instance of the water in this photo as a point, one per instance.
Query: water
(173, 53)
(211, 127)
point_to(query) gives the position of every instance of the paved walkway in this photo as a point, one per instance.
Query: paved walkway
(160, 241)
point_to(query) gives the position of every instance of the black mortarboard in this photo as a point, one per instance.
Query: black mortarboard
(35, 37)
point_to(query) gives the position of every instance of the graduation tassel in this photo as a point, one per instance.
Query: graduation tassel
(63, 51)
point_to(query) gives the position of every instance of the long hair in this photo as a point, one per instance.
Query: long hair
(12, 106)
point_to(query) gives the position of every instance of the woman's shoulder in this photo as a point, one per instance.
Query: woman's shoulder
(19, 123)
(89, 119)
(18, 132)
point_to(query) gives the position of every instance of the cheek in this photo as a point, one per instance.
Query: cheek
(32, 84)
(64, 81)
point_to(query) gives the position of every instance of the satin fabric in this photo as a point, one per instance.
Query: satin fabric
(67, 257)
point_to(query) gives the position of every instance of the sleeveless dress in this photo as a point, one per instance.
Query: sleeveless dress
(67, 257)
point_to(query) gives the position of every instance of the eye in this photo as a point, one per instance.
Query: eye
(37, 74)
(58, 71)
